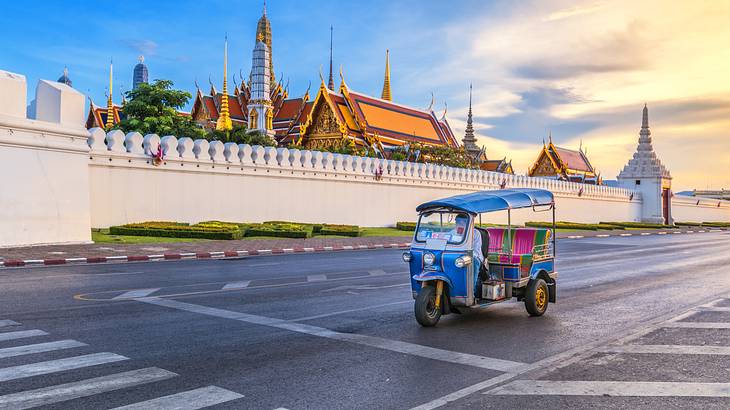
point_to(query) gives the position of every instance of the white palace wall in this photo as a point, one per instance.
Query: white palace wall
(200, 181)
(59, 180)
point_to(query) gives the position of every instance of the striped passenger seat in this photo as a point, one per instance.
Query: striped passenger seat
(524, 241)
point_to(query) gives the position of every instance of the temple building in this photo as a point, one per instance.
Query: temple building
(479, 155)
(564, 164)
(140, 74)
(97, 116)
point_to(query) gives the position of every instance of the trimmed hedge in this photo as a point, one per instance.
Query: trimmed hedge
(638, 225)
(315, 227)
(405, 226)
(564, 225)
(688, 223)
(342, 230)
(280, 230)
(176, 231)
(716, 224)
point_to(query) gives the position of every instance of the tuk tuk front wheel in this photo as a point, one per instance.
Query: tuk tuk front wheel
(536, 299)
(427, 313)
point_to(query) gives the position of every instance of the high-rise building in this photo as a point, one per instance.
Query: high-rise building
(140, 73)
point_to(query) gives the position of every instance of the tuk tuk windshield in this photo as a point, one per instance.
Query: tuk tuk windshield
(451, 226)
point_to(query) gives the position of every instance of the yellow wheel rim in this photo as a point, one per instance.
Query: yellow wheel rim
(540, 298)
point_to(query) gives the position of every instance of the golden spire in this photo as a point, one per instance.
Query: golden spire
(224, 119)
(109, 103)
(386, 83)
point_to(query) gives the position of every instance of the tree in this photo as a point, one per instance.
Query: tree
(240, 135)
(153, 109)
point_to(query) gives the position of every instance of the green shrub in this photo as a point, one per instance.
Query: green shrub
(342, 230)
(564, 225)
(609, 226)
(280, 230)
(315, 227)
(638, 225)
(177, 232)
(405, 226)
(716, 224)
(688, 223)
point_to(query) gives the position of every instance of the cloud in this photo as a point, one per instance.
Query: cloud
(574, 11)
(143, 46)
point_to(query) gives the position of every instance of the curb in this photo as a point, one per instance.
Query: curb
(18, 263)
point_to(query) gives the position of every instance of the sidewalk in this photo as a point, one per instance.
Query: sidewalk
(110, 252)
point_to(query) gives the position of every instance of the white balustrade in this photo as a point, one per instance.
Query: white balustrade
(185, 148)
(168, 144)
(245, 153)
(270, 155)
(215, 151)
(133, 143)
(200, 149)
(151, 144)
(295, 158)
(115, 141)
(96, 140)
(282, 157)
(230, 152)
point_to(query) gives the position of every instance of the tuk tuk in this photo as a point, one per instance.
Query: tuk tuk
(457, 263)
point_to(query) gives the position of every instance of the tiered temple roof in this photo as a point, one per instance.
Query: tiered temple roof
(644, 163)
(565, 164)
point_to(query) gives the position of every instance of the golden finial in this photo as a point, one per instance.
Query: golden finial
(386, 83)
(109, 102)
(260, 37)
(224, 120)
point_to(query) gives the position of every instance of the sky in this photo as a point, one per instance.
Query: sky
(579, 70)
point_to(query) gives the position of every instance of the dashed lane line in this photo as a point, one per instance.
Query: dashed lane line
(237, 285)
(21, 334)
(377, 272)
(316, 278)
(612, 388)
(667, 349)
(698, 325)
(6, 323)
(188, 400)
(371, 341)
(138, 293)
(59, 365)
(84, 388)
(39, 348)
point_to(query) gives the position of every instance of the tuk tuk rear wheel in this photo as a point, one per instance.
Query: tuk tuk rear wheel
(536, 299)
(427, 314)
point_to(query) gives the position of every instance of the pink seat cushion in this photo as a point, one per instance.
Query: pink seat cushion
(524, 241)
(496, 239)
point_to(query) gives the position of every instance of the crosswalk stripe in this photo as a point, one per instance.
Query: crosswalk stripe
(138, 293)
(714, 308)
(610, 388)
(60, 365)
(237, 285)
(5, 323)
(39, 348)
(698, 325)
(667, 349)
(20, 334)
(316, 278)
(188, 400)
(84, 388)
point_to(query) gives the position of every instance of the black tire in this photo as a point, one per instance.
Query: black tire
(536, 299)
(425, 309)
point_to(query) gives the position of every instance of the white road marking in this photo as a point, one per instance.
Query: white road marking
(21, 334)
(341, 312)
(714, 308)
(575, 236)
(380, 343)
(377, 272)
(661, 233)
(5, 323)
(626, 234)
(698, 325)
(667, 349)
(467, 391)
(60, 365)
(602, 236)
(316, 278)
(264, 264)
(84, 388)
(187, 400)
(237, 285)
(609, 388)
(645, 233)
(39, 348)
(138, 293)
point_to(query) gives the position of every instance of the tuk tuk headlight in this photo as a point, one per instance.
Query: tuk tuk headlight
(462, 261)
(407, 256)
(429, 258)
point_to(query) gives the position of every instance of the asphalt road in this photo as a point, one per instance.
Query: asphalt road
(336, 330)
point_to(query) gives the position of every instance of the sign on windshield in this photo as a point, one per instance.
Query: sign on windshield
(449, 226)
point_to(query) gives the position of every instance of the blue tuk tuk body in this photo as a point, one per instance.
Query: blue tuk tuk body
(446, 276)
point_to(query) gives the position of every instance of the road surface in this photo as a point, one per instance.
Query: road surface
(641, 322)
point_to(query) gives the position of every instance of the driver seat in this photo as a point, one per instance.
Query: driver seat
(484, 269)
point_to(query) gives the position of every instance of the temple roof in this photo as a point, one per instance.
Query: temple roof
(572, 159)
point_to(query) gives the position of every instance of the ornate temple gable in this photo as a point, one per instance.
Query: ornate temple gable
(323, 121)
(545, 165)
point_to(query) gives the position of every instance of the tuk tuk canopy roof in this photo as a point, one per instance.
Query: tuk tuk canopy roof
(489, 201)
